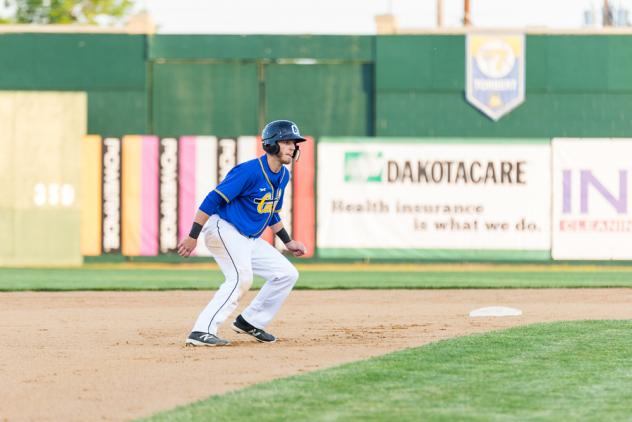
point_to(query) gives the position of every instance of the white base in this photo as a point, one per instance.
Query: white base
(495, 311)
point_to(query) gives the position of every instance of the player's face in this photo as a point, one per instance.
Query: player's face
(286, 151)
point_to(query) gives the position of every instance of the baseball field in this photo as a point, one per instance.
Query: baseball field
(106, 342)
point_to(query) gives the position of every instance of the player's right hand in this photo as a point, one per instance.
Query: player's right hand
(186, 246)
(297, 248)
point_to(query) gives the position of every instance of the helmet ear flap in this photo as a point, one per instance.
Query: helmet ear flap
(272, 148)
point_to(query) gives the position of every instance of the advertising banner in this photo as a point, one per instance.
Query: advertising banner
(421, 198)
(139, 187)
(495, 76)
(91, 198)
(303, 198)
(204, 161)
(141, 192)
(592, 218)
(197, 174)
(111, 195)
(168, 217)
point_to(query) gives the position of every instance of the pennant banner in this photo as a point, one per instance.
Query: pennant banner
(495, 66)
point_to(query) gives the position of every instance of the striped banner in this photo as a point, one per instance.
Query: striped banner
(246, 148)
(286, 211)
(111, 207)
(203, 163)
(303, 200)
(168, 224)
(196, 177)
(298, 213)
(91, 195)
(140, 196)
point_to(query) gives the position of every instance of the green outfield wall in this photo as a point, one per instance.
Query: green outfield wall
(576, 85)
(387, 89)
(395, 85)
(110, 68)
(227, 85)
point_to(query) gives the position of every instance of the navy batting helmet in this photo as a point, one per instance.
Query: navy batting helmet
(279, 130)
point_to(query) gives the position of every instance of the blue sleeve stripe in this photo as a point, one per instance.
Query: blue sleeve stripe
(222, 195)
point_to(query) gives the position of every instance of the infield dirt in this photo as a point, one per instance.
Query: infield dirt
(120, 355)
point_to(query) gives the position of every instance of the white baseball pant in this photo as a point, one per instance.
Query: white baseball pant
(240, 257)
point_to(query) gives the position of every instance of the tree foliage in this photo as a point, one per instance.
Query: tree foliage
(66, 11)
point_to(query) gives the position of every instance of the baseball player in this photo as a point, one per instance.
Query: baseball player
(231, 219)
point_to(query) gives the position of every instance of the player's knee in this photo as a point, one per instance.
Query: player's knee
(245, 280)
(292, 274)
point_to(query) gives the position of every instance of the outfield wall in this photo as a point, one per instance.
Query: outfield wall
(592, 191)
(40, 177)
(485, 199)
(576, 86)
(392, 86)
(434, 198)
(110, 68)
(143, 198)
(219, 90)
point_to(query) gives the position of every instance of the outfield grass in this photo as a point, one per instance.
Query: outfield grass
(559, 371)
(97, 277)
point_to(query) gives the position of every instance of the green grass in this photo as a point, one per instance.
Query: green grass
(94, 277)
(107, 279)
(559, 371)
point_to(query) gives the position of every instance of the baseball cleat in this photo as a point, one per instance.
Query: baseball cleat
(240, 325)
(198, 338)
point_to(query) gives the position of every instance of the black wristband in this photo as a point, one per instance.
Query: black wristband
(195, 230)
(285, 238)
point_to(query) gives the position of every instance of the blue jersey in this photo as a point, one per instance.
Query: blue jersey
(253, 196)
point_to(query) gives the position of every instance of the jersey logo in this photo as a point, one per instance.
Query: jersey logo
(262, 189)
(266, 204)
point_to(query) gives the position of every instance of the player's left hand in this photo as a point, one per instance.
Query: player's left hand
(186, 246)
(297, 248)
